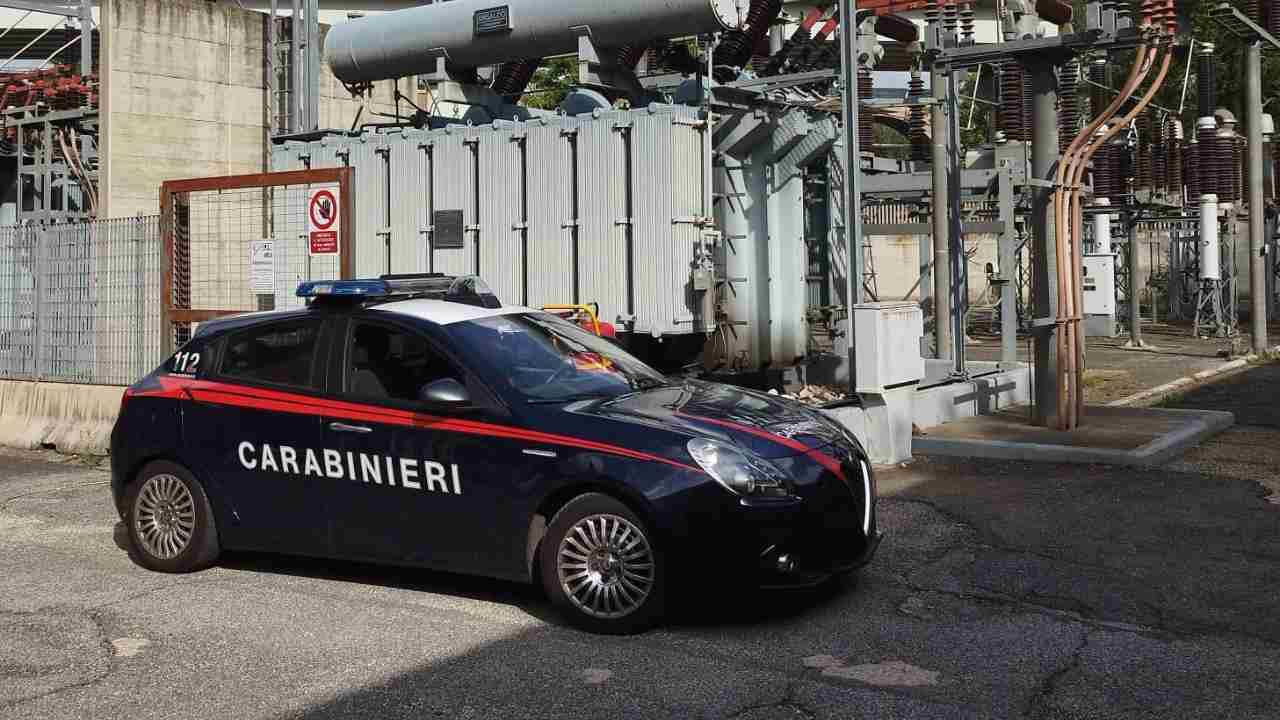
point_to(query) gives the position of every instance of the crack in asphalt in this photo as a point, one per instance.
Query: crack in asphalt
(4, 504)
(788, 701)
(1185, 628)
(1049, 685)
(103, 640)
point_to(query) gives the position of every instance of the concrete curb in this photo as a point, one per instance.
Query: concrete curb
(1159, 392)
(1201, 424)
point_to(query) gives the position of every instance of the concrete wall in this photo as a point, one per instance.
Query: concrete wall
(184, 95)
(69, 418)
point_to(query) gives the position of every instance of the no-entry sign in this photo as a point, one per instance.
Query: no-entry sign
(322, 222)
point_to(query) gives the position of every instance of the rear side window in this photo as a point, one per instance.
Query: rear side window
(278, 353)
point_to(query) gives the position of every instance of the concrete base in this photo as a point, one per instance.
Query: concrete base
(882, 424)
(71, 418)
(991, 388)
(1111, 435)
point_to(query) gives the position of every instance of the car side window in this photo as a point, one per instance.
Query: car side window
(277, 353)
(392, 363)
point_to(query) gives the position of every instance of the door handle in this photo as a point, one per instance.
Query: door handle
(345, 428)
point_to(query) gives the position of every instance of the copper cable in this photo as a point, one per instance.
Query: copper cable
(1067, 161)
(1077, 221)
(1160, 14)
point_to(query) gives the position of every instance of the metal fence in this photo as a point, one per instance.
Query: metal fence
(239, 243)
(80, 302)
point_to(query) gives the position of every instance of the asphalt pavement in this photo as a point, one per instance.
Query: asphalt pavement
(1003, 590)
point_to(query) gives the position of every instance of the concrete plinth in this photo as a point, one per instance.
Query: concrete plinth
(1112, 435)
(882, 424)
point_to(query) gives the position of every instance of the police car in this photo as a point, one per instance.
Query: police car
(413, 420)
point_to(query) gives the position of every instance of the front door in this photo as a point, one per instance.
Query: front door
(423, 487)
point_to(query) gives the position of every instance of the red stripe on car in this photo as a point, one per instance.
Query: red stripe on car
(218, 393)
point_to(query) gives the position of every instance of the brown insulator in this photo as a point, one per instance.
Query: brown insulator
(866, 133)
(917, 133)
(1273, 18)
(1103, 186)
(1191, 171)
(1206, 81)
(951, 17)
(1011, 109)
(513, 77)
(1159, 155)
(1068, 104)
(736, 46)
(1236, 171)
(1098, 78)
(931, 13)
(1142, 153)
(1028, 111)
(966, 23)
(1206, 156)
(1253, 9)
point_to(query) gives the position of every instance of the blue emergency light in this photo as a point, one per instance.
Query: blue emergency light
(344, 288)
(469, 289)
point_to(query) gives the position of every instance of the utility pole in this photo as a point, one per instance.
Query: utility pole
(1044, 268)
(1257, 240)
(938, 130)
(852, 188)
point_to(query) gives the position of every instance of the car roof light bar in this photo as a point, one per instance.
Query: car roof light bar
(467, 289)
(344, 288)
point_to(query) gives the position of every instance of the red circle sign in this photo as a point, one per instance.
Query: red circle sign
(323, 210)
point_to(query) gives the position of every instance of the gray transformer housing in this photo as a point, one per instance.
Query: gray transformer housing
(604, 208)
(613, 207)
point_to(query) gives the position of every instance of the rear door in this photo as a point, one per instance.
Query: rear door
(256, 434)
(426, 486)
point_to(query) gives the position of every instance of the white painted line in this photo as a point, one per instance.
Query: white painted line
(1180, 382)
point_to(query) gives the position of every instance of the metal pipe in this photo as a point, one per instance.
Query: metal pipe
(27, 47)
(295, 69)
(86, 37)
(959, 270)
(9, 29)
(1257, 241)
(941, 219)
(851, 188)
(68, 44)
(471, 33)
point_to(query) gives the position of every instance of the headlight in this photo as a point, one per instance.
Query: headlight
(738, 469)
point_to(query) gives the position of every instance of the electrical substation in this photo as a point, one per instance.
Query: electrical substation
(693, 183)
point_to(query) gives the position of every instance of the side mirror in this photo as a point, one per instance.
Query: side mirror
(445, 392)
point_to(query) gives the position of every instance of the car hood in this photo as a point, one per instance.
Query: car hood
(771, 426)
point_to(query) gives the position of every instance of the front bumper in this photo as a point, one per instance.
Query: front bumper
(799, 541)
(800, 575)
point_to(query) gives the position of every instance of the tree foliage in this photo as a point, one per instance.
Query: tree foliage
(552, 81)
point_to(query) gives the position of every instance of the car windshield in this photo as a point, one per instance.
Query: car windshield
(548, 359)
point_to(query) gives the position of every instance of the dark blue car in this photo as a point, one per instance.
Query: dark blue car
(414, 421)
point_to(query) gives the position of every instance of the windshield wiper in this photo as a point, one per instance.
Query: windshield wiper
(597, 395)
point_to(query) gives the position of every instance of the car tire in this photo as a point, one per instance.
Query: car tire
(601, 566)
(169, 520)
